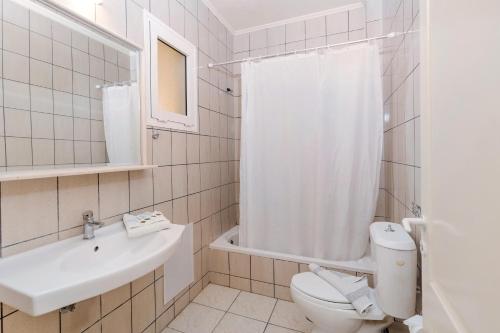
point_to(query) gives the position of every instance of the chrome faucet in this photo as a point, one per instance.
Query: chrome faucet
(89, 224)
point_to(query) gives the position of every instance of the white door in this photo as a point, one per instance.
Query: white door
(461, 165)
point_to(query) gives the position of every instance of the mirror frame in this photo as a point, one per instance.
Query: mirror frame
(101, 33)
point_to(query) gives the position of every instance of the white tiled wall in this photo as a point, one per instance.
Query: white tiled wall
(333, 28)
(401, 160)
(196, 182)
(401, 166)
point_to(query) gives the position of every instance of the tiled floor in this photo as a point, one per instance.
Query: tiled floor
(219, 309)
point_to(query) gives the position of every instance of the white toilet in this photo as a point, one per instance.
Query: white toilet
(395, 256)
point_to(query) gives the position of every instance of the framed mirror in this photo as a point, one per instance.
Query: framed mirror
(71, 95)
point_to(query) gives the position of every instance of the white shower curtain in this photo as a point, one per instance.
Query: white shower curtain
(311, 149)
(121, 114)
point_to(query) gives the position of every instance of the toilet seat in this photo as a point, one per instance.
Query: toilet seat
(316, 291)
(313, 286)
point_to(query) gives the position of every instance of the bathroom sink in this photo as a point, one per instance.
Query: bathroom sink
(62, 273)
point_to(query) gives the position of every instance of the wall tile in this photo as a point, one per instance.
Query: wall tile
(194, 208)
(193, 148)
(162, 182)
(143, 309)
(141, 189)
(15, 67)
(241, 43)
(179, 148)
(295, 32)
(239, 265)
(161, 10)
(16, 95)
(276, 36)
(262, 288)
(180, 211)
(15, 13)
(316, 27)
(239, 283)
(176, 16)
(70, 210)
(337, 23)
(113, 194)
(20, 322)
(219, 261)
(179, 181)
(258, 39)
(43, 151)
(193, 171)
(284, 271)
(141, 283)
(41, 217)
(15, 39)
(114, 298)
(164, 319)
(262, 269)
(86, 313)
(40, 24)
(283, 293)
(119, 320)
(17, 123)
(357, 19)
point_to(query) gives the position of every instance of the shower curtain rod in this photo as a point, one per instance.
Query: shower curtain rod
(389, 35)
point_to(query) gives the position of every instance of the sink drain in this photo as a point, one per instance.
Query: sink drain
(96, 248)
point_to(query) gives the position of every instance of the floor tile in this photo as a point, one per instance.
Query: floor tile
(276, 329)
(216, 296)
(287, 314)
(253, 306)
(232, 323)
(197, 318)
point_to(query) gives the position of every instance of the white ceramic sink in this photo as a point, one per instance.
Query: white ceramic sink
(66, 272)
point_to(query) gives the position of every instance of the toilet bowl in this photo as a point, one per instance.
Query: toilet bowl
(394, 295)
(331, 312)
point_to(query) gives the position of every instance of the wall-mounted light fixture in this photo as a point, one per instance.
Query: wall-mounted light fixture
(98, 2)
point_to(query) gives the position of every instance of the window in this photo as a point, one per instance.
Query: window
(171, 77)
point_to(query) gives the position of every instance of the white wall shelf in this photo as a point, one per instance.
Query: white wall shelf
(11, 175)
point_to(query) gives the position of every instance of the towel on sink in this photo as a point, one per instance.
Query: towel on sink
(145, 223)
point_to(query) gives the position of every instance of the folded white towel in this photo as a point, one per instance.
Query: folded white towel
(355, 290)
(145, 223)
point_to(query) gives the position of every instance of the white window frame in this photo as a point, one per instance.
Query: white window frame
(155, 29)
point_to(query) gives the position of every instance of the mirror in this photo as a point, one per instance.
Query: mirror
(71, 96)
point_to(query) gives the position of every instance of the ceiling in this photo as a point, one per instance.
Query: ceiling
(246, 14)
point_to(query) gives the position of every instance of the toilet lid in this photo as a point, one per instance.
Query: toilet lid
(314, 286)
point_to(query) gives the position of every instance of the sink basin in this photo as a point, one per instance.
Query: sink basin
(62, 273)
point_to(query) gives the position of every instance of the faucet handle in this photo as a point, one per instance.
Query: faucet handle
(88, 216)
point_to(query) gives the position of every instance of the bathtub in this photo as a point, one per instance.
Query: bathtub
(229, 242)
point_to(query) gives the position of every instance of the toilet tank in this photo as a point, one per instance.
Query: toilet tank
(395, 256)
